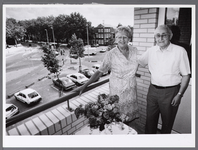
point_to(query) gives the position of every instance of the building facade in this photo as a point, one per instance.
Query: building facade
(103, 33)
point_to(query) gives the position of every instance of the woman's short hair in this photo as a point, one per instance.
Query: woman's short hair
(125, 29)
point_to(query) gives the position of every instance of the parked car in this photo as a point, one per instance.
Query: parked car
(88, 73)
(28, 96)
(78, 78)
(103, 50)
(64, 83)
(95, 67)
(95, 45)
(11, 110)
(90, 50)
(56, 52)
(75, 56)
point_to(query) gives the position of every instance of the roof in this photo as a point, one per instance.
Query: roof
(105, 25)
(98, 65)
(27, 91)
(8, 105)
(76, 74)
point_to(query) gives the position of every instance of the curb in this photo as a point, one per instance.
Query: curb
(27, 86)
(41, 78)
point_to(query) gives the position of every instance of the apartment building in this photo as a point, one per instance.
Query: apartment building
(103, 33)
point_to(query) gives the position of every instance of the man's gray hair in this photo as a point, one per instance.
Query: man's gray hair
(164, 27)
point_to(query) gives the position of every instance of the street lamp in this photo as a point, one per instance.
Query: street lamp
(103, 33)
(47, 36)
(53, 35)
(87, 40)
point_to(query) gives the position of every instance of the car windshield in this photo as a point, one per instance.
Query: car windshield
(10, 108)
(66, 81)
(32, 95)
(90, 72)
(81, 77)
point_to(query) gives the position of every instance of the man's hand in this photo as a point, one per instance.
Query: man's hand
(176, 100)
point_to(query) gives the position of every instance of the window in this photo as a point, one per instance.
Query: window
(74, 77)
(172, 15)
(100, 30)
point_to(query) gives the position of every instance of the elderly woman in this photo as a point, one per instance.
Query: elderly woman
(122, 62)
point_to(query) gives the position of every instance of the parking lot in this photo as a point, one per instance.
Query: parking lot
(35, 76)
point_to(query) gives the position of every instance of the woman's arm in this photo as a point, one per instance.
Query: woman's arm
(93, 78)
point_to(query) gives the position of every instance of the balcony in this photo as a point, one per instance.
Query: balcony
(54, 118)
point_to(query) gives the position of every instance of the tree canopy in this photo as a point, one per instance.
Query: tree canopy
(77, 47)
(64, 26)
(50, 60)
(14, 30)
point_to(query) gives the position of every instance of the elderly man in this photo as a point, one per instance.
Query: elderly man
(169, 68)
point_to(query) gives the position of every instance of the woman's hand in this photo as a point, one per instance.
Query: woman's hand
(94, 77)
(79, 90)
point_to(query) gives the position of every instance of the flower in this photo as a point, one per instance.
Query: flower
(102, 112)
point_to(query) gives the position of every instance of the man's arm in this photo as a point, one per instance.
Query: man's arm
(184, 84)
(143, 59)
(183, 87)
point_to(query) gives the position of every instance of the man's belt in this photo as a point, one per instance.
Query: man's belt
(164, 87)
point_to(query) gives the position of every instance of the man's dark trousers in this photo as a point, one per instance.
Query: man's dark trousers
(159, 102)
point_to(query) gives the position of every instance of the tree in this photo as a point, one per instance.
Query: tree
(50, 61)
(63, 25)
(60, 27)
(14, 30)
(77, 47)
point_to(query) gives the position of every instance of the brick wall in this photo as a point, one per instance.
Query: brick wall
(145, 22)
(57, 120)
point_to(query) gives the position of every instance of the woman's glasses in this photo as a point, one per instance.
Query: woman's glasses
(122, 37)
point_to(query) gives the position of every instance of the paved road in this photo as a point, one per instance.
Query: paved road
(24, 68)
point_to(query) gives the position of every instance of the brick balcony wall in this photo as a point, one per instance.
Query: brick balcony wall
(57, 120)
(145, 22)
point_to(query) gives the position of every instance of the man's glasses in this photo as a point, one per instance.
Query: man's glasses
(164, 36)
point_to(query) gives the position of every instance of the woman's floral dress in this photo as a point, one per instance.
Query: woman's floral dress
(122, 79)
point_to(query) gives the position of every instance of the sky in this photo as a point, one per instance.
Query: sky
(95, 13)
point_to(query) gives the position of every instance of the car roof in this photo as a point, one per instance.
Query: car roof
(61, 78)
(77, 74)
(27, 91)
(64, 78)
(8, 105)
(97, 65)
